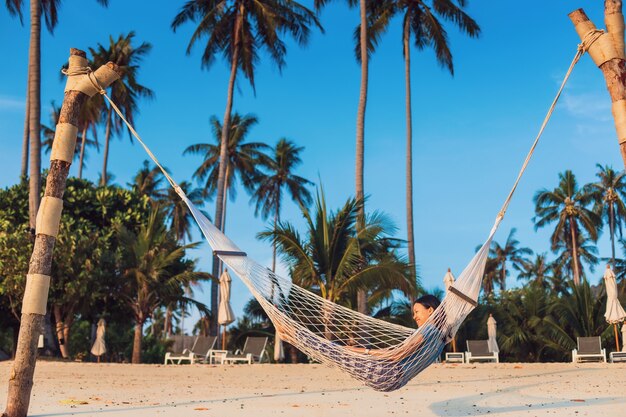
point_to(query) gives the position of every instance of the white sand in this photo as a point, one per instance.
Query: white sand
(82, 389)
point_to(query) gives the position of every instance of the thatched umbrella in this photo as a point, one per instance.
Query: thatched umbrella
(614, 311)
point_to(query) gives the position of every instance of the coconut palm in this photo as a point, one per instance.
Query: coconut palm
(48, 9)
(279, 177)
(490, 276)
(421, 25)
(567, 206)
(509, 253)
(328, 258)
(153, 270)
(238, 29)
(586, 251)
(609, 194)
(147, 182)
(537, 272)
(242, 158)
(177, 212)
(126, 91)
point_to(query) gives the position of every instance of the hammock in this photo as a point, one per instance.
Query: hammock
(327, 332)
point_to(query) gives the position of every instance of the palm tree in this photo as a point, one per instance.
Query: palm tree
(268, 194)
(153, 270)
(242, 160)
(421, 21)
(238, 29)
(510, 252)
(124, 92)
(537, 272)
(363, 50)
(147, 182)
(608, 195)
(48, 9)
(328, 259)
(586, 250)
(178, 213)
(490, 276)
(567, 206)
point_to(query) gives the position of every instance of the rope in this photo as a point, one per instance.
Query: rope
(589, 38)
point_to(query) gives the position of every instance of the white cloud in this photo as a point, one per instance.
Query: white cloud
(11, 103)
(590, 106)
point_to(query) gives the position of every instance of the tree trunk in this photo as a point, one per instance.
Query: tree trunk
(31, 324)
(608, 54)
(34, 111)
(360, 133)
(59, 324)
(107, 139)
(82, 152)
(409, 152)
(136, 358)
(167, 326)
(24, 169)
(221, 177)
(276, 217)
(612, 232)
(572, 229)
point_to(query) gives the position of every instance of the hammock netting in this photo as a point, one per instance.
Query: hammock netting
(326, 331)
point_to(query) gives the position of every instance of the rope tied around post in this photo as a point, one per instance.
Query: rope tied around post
(90, 76)
(588, 40)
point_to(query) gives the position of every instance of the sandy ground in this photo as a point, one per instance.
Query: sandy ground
(84, 389)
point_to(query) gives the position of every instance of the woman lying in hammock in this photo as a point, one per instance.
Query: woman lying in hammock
(383, 369)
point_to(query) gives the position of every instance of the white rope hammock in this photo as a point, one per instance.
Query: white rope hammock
(326, 331)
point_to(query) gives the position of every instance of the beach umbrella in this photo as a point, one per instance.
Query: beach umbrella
(225, 314)
(448, 280)
(491, 332)
(623, 337)
(99, 347)
(614, 311)
(279, 352)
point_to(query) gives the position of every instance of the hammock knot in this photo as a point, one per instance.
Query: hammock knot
(588, 40)
(85, 71)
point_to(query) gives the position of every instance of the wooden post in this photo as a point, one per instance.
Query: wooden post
(616, 337)
(78, 89)
(607, 53)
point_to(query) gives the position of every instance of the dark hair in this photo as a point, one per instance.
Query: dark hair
(428, 301)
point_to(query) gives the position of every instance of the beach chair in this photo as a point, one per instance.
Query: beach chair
(478, 351)
(253, 351)
(589, 348)
(181, 350)
(202, 348)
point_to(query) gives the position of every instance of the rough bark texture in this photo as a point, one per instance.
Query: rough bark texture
(136, 358)
(360, 135)
(34, 111)
(614, 70)
(107, 140)
(21, 378)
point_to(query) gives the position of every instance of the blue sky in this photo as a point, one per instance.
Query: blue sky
(471, 131)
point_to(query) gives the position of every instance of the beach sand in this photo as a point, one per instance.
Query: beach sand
(87, 389)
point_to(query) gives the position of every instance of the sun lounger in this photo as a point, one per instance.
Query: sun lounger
(589, 348)
(181, 350)
(203, 347)
(478, 351)
(253, 351)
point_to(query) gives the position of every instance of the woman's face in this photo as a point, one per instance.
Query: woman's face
(421, 313)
